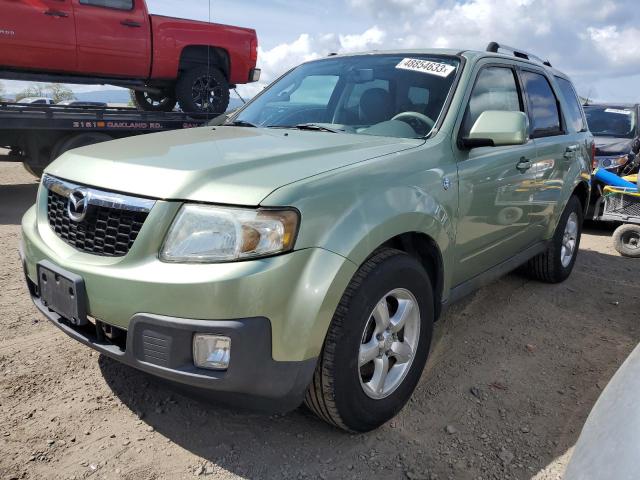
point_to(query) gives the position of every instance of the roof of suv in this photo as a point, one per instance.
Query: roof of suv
(469, 54)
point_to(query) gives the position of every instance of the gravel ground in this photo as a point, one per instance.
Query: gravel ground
(514, 372)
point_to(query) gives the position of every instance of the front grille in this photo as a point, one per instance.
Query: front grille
(105, 231)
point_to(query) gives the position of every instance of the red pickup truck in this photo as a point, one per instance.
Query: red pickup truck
(162, 60)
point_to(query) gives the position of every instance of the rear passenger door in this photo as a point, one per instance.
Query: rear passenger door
(558, 143)
(495, 183)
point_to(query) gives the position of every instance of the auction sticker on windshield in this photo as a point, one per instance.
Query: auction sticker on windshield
(618, 111)
(426, 66)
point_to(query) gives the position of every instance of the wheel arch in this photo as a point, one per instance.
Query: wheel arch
(424, 249)
(193, 55)
(583, 191)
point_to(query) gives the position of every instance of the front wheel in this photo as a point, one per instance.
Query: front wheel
(376, 346)
(626, 240)
(203, 90)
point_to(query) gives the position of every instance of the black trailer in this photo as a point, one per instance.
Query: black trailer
(37, 134)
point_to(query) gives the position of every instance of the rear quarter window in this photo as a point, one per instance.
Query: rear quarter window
(575, 115)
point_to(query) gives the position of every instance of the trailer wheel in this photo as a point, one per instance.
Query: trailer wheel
(626, 240)
(203, 91)
(153, 102)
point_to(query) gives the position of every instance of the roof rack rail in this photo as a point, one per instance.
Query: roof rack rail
(494, 47)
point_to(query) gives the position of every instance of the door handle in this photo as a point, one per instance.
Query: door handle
(524, 164)
(56, 13)
(130, 24)
(570, 152)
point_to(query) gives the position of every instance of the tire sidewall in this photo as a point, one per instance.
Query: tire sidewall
(618, 240)
(359, 411)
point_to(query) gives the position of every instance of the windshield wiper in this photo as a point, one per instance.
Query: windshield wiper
(309, 126)
(241, 123)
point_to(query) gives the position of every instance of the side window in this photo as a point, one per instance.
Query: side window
(544, 114)
(315, 89)
(576, 117)
(495, 89)
(117, 4)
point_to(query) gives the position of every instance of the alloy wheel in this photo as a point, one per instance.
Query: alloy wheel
(389, 342)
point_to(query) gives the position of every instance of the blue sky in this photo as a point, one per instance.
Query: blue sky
(597, 42)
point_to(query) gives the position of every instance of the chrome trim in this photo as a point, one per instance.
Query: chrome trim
(99, 198)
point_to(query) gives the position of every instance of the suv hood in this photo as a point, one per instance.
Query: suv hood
(231, 165)
(613, 146)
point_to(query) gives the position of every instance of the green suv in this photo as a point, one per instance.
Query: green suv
(302, 248)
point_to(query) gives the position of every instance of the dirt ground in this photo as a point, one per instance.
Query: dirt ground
(514, 372)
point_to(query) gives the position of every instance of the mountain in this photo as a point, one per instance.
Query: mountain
(121, 96)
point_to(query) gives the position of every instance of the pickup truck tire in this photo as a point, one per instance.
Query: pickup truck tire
(554, 265)
(152, 102)
(626, 240)
(203, 90)
(338, 393)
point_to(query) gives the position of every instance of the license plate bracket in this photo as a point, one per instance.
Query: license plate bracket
(63, 292)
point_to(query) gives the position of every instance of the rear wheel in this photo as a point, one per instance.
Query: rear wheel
(556, 263)
(203, 90)
(376, 346)
(153, 102)
(626, 240)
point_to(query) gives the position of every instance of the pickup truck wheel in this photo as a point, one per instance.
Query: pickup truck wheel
(152, 102)
(626, 240)
(202, 91)
(556, 263)
(376, 346)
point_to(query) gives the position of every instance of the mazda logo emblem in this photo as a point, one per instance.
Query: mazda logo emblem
(78, 204)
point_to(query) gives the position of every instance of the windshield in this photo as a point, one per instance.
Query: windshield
(386, 95)
(611, 121)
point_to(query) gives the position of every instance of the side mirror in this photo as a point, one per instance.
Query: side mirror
(496, 128)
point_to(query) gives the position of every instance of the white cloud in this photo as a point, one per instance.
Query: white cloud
(285, 56)
(588, 39)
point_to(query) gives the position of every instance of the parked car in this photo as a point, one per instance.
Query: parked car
(609, 445)
(617, 133)
(164, 60)
(82, 103)
(304, 247)
(36, 101)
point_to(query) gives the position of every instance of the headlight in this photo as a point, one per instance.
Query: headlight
(610, 162)
(207, 234)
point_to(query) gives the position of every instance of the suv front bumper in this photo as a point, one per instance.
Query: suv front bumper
(275, 310)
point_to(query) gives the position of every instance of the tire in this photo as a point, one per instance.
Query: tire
(340, 392)
(192, 88)
(626, 240)
(33, 169)
(153, 102)
(77, 141)
(552, 266)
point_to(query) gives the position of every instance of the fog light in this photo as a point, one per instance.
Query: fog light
(211, 351)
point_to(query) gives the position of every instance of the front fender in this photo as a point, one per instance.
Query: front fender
(353, 211)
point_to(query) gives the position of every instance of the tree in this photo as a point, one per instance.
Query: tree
(55, 91)
(35, 90)
(60, 92)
